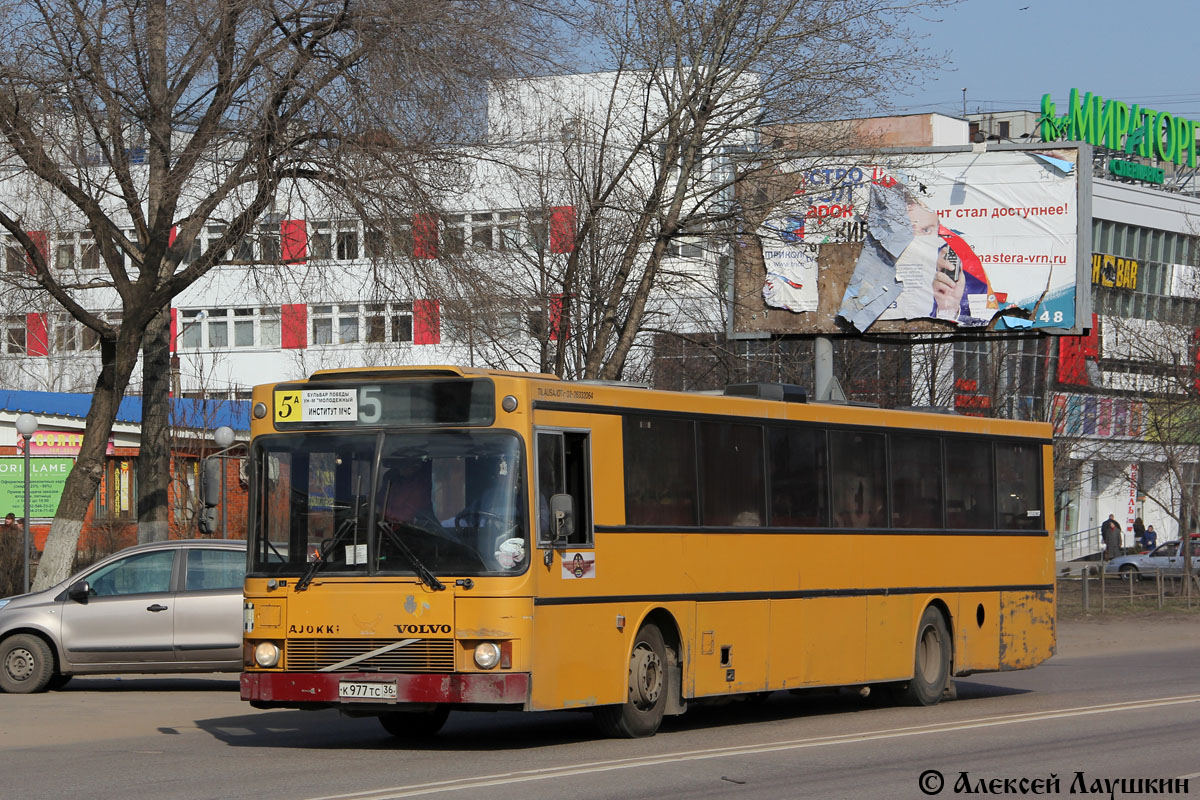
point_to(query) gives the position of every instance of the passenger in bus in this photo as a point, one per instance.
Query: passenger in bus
(408, 495)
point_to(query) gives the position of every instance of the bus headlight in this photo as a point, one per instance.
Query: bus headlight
(487, 654)
(266, 654)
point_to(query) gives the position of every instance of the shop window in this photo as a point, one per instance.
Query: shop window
(116, 496)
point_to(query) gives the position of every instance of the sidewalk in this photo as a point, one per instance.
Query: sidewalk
(1125, 634)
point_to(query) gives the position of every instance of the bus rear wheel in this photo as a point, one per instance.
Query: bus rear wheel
(642, 713)
(931, 662)
(412, 725)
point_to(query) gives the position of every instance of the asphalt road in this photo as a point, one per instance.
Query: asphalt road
(1120, 701)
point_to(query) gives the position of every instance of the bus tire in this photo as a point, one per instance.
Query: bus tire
(648, 686)
(26, 664)
(414, 725)
(931, 661)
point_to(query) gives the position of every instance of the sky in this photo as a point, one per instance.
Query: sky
(1008, 53)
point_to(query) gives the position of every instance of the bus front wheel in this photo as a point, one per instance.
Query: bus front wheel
(931, 662)
(642, 713)
(413, 725)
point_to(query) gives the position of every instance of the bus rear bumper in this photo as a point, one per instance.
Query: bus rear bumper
(322, 689)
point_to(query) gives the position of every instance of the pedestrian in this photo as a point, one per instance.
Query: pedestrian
(1139, 533)
(1150, 538)
(1110, 534)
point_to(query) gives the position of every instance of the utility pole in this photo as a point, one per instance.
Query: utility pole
(964, 102)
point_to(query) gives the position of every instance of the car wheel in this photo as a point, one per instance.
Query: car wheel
(1130, 572)
(26, 664)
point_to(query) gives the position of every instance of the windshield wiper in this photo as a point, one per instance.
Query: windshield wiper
(427, 577)
(313, 566)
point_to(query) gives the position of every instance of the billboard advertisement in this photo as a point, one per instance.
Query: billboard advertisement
(47, 477)
(933, 241)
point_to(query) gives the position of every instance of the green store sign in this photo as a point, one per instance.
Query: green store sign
(1134, 129)
(1136, 171)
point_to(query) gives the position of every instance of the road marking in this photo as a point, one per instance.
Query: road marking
(548, 773)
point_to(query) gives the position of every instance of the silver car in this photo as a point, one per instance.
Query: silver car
(1165, 557)
(171, 606)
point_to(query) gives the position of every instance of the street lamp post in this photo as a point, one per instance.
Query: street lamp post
(223, 436)
(26, 425)
(213, 484)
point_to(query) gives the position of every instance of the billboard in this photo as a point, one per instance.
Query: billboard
(47, 477)
(936, 240)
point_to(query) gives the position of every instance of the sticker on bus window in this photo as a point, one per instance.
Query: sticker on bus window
(579, 565)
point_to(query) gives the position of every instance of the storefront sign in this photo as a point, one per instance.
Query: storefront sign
(1112, 124)
(1135, 171)
(1121, 273)
(47, 477)
(56, 443)
(1131, 506)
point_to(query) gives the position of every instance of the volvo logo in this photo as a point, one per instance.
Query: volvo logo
(423, 628)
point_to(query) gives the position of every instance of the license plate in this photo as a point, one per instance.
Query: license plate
(367, 690)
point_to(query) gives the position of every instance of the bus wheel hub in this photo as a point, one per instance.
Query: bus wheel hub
(647, 674)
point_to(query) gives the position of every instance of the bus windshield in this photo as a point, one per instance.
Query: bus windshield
(418, 502)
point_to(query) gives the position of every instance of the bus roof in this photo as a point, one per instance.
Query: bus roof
(609, 396)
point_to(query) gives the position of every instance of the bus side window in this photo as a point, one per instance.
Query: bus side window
(564, 467)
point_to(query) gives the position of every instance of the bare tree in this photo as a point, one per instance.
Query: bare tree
(694, 84)
(142, 124)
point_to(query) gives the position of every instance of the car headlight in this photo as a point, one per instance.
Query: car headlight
(5, 602)
(487, 654)
(266, 654)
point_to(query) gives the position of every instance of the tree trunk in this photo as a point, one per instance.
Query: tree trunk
(119, 359)
(154, 457)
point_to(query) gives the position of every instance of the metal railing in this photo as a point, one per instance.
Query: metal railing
(1080, 544)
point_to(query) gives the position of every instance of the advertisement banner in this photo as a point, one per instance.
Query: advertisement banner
(47, 477)
(57, 443)
(962, 240)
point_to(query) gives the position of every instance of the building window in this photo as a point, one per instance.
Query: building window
(221, 328)
(217, 328)
(454, 235)
(685, 248)
(334, 240)
(351, 323)
(14, 255)
(347, 324)
(66, 333)
(322, 324)
(268, 242)
(14, 335)
(388, 322)
(64, 254)
(510, 231)
(347, 244)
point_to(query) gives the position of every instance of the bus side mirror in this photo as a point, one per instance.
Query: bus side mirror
(562, 516)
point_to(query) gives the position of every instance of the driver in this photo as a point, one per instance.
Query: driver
(408, 497)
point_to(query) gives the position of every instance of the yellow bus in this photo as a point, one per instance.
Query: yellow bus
(438, 538)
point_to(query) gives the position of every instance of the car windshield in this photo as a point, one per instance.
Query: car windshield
(421, 502)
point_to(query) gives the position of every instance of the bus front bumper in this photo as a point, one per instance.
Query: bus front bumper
(309, 689)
